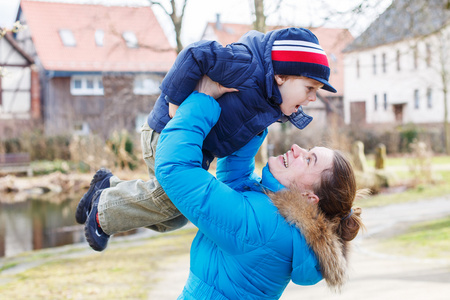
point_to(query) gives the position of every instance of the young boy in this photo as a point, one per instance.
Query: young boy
(268, 78)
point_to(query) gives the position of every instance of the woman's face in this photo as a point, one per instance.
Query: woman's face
(301, 167)
(296, 91)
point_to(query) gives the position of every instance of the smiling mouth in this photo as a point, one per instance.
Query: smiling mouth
(285, 160)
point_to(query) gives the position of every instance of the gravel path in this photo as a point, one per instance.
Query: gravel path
(373, 275)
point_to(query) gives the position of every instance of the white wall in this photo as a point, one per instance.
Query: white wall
(398, 85)
(16, 84)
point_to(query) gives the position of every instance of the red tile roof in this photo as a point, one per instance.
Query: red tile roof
(332, 40)
(45, 19)
(229, 32)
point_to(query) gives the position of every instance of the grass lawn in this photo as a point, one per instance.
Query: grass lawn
(424, 240)
(417, 193)
(406, 160)
(125, 272)
(400, 167)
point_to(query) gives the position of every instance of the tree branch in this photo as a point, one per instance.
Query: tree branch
(160, 5)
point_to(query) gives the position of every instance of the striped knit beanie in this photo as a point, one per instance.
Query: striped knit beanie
(296, 51)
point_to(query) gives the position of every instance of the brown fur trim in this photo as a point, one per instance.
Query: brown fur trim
(319, 233)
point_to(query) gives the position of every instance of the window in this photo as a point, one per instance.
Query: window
(430, 98)
(86, 85)
(77, 83)
(333, 58)
(1, 100)
(416, 57)
(383, 57)
(357, 68)
(139, 121)
(67, 37)
(90, 83)
(130, 39)
(81, 128)
(428, 55)
(374, 64)
(416, 99)
(144, 85)
(398, 60)
(385, 101)
(99, 35)
(375, 102)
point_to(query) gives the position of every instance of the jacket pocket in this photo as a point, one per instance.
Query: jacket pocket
(149, 141)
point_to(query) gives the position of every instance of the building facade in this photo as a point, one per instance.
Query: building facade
(397, 71)
(99, 66)
(19, 89)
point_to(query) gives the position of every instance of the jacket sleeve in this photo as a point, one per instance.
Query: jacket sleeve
(240, 165)
(222, 214)
(230, 66)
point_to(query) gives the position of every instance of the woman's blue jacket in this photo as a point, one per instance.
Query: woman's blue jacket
(246, 66)
(244, 249)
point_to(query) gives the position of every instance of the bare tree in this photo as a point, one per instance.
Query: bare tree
(260, 18)
(438, 15)
(443, 37)
(176, 17)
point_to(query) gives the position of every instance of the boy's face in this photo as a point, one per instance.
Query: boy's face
(296, 91)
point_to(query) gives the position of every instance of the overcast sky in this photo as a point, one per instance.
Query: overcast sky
(7, 11)
(199, 12)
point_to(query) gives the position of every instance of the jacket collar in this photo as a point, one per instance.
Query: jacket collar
(299, 119)
(319, 233)
(269, 182)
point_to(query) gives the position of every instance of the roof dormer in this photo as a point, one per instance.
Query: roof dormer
(99, 36)
(67, 38)
(130, 39)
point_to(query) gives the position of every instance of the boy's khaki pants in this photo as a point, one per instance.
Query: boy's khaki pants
(127, 205)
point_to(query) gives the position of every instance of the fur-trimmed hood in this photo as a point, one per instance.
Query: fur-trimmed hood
(318, 232)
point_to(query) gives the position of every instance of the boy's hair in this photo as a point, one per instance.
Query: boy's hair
(296, 51)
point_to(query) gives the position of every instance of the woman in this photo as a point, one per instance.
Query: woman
(256, 235)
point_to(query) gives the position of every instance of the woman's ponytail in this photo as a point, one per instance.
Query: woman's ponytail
(337, 192)
(349, 227)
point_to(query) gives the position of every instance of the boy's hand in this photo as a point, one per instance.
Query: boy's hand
(212, 88)
(208, 87)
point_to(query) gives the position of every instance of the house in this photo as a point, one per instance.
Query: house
(100, 66)
(19, 89)
(332, 40)
(397, 71)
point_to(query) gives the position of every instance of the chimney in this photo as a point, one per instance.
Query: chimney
(218, 24)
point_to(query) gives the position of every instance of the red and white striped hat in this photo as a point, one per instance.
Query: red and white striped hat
(296, 51)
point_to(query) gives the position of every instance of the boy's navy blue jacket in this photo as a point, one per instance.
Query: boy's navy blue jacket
(246, 66)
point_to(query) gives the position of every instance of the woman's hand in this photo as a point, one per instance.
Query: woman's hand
(208, 87)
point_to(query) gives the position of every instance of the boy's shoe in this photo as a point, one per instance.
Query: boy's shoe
(100, 181)
(97, 239)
